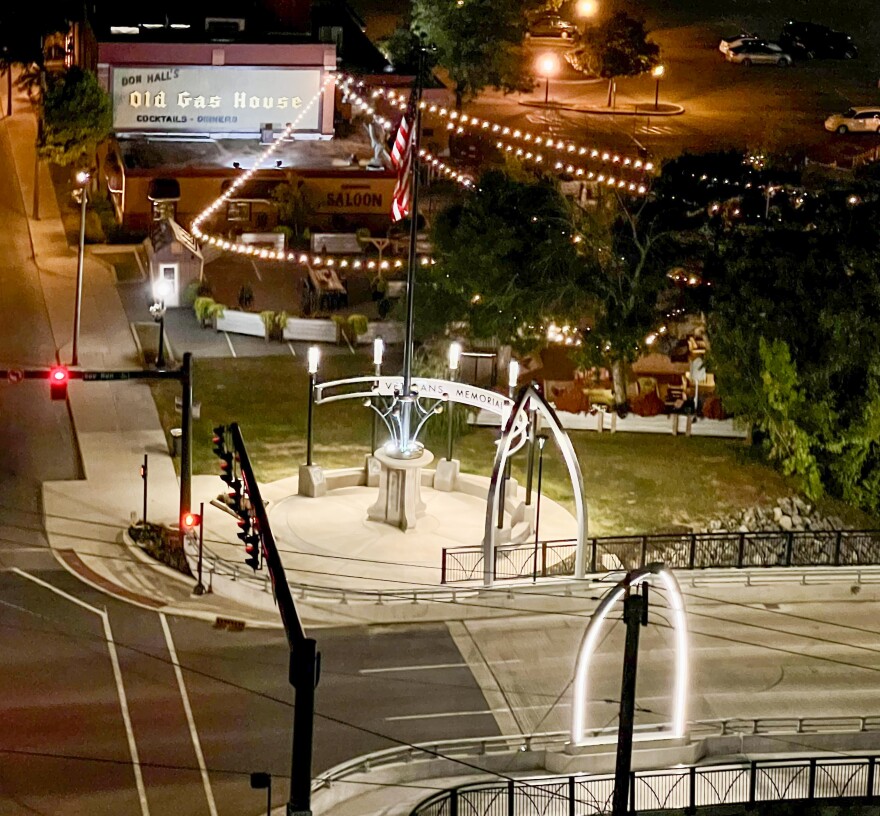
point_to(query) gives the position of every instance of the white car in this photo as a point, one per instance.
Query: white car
(758, 54)
(857, 120)
(728, 43)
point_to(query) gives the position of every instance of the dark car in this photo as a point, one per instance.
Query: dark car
(815, 41)
(551, 25)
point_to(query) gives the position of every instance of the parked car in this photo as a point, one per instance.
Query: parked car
(758, 54)
(551, 25)
(815, 41)
(736, 40)
(857, 120)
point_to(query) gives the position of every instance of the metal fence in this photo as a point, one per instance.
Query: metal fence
(770, 780)
(778, 548)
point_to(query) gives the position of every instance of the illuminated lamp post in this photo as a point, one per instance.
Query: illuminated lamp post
(512, 381)
(157, 310)
(658, 72)
(542, 440)
(378, 354)
(585, 10)
(314, 360)
(82, 179)
(548, 66)
(453, 360)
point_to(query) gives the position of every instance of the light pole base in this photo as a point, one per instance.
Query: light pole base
(372, 468)
(311, 481)
(446, 475)
(199, 589)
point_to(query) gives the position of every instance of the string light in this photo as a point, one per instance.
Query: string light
(608, 179)
(462, 122)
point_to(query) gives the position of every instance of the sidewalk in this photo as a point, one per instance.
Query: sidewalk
(115, 423)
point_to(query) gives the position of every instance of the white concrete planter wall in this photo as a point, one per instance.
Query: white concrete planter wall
(307, 330)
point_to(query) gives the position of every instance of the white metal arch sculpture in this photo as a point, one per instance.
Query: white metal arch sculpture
(531, 399)
(674, 730)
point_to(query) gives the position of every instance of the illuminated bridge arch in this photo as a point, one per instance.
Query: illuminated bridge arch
(530, 399)
(580, 687)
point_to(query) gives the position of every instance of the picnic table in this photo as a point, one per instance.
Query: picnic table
(323, 291)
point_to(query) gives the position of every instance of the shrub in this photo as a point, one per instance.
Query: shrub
(162, 544)
(202, 307)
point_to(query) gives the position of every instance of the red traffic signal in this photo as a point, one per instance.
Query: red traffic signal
(190, 520)
(59, 376)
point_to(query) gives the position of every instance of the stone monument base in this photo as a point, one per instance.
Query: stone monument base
(400, 490)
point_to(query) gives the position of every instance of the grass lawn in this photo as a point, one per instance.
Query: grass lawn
(635, 483)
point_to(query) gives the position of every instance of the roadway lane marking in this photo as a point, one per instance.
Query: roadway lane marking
(117, 676)
(93, 609)
(229, 343)
(194, 734)
(292, 349)
(476, 713)
(431, 666)
(257, 271)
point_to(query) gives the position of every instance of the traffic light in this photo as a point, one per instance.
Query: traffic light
(227, 472)
(234, 497)
(189, 521)
(252, 548)
(245, 523)
(59, 376)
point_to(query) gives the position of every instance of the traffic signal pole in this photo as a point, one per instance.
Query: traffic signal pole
(186, 438)
(634, 608)
(305, 660)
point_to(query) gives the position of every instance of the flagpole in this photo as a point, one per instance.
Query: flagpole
(406, 397)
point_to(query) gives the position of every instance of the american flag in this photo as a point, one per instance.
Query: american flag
(401, 160)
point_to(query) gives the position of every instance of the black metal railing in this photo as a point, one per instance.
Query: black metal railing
(769, 780)
(777, 548)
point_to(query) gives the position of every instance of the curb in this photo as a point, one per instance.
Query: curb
(638, 109)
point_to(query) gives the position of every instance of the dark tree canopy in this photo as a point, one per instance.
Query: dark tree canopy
(77, 117)
(617, 47)
(478, 42)
(505, 263)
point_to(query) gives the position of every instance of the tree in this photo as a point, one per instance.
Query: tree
(478, 42)
(505, 264)
(796, 344)
(627, 256)
(22, 29)
(617, 47)
(77, 117)
(294, 207)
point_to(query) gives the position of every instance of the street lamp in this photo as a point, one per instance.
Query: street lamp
(378, 355)
(586, 8)
(157, 310)
(657, 72)
(548, 66)
(82, 179)
(314, 360)
(454, 358)
(542, 440)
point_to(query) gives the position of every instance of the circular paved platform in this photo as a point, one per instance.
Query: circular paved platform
(329, 542)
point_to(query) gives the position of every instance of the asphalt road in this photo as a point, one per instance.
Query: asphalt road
(770, 651)
(71, 656)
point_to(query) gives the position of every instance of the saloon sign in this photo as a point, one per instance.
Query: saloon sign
(213, 99)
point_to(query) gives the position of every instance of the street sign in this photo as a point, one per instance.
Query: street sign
(196, 407)
(15, 375)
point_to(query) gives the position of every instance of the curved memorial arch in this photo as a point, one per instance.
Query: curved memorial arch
(580, 686)
(528, 399)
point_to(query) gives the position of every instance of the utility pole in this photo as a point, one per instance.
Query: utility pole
(634, 616)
